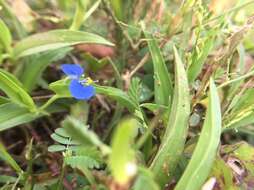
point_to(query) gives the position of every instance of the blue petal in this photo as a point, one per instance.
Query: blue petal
(73, 71)
(81, 92)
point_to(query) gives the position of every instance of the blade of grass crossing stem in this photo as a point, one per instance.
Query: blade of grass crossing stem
(55, 39)
(204, 154)
(15, 91)
(162, 83)
(4, 155)
(168, 155)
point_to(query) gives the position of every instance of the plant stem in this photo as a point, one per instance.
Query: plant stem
(49, 102)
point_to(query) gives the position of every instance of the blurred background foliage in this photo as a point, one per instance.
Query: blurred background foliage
(174, 104)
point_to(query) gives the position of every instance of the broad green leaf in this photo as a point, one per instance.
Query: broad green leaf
(55, 39)
(122, 159)
(205, 151)
(15, 91)
(4, 155)
(13, 115)
(5, 37)
(33, 70)
(168, 155)
(162, 83)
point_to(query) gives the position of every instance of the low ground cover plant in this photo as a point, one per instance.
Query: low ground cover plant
(126, 95)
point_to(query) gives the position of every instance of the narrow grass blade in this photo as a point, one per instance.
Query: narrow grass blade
(204, 154)
(53, 40)
(199, 58)
(117, 6)
(168, 155)
(5, 37)
(162, 83)
(81, 7)
(4, 155)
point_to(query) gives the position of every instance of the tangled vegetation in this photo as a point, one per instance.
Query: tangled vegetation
(126, 95)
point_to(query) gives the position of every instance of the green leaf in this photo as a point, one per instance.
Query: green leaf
(78, 161)
(15, 91)
(4, 100)
(205, 151)
(13, 115)
(122, 159)
(4, 155)
(238, 164)
(153, 107)
(145, 180)
(87, 156)
(78, 131)
(63, 140)
(198, 59)
(62, 132)
(168, 155)
(33, 70)
(56, 148)
(55, 39)
(4, 179)
(61, 88)
(118, 95)
(5, 37)
(94, 63)
(81, 7)
(162, 83)
(117, 6)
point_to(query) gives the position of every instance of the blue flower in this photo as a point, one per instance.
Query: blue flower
(79, 89)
